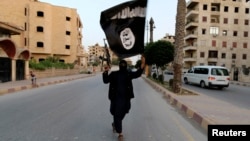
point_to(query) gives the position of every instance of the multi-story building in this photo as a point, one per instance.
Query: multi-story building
(169, 38)
(217, 33)
(49, 30)
(96, 51)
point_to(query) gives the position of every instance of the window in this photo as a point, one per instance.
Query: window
(39, 44)
(39, 29)
(235, 21)
(25, 26)
(244, 45)
(225, 20)
(247, 10)
(236, 9)
(212, 54)
(245, 34)
(202, 54)
(203, 31)
(68, 18)
(204, 7)
(201, 70)
(235, 33)
(214, 8)
(234, 44)
(224, 44)
(204, 19)
(233, 56)
(213, 43)
(25, 41)
(61, 61)
(40, 14)
(67, 46)
(219, 72)
(244, 56)
(214, 31)
(41, 59)
(226, 9)
(223, 55)
(67, 32)
(25, 11)
(246, 22)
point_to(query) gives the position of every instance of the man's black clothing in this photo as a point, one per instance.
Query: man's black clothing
(120, 93)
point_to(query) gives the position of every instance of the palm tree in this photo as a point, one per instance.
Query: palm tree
(179, 43)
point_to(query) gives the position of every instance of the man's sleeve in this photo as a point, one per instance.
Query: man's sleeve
(105, 77)
(137, 73)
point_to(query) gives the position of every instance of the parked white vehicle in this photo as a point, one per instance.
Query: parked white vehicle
(208, 76)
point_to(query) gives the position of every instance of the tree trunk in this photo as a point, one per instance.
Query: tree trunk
(179, 43)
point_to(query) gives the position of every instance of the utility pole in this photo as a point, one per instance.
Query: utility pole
(147, 30)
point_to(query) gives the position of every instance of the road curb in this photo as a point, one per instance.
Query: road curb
(30, 86)
(189, 112)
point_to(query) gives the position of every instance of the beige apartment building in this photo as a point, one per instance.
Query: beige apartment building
(217, 33)
(47, 30)
(169, 38)
(96, 51)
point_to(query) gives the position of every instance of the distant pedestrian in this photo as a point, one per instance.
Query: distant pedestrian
(33, 78)
(121, 92)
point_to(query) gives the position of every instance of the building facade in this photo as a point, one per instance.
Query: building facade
(48, 30)
(13, 59)
(169, 38)
(217, 33)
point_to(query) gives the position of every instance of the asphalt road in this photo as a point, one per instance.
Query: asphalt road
(79, 111)
(235, 94)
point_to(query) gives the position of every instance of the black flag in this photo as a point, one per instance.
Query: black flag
(124, 27)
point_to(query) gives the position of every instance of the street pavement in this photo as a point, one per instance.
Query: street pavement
(203, 109)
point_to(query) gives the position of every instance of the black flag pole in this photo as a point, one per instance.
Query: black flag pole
(124, 27)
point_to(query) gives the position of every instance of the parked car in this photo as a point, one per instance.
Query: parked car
(208, 76)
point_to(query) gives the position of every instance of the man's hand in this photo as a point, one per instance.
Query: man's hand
(106, 68)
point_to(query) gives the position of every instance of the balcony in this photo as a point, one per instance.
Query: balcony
(192, 3)
(189, 59)
(192, 13)
(191, 25)
(192, 35)
(190, 48)
(212, 59)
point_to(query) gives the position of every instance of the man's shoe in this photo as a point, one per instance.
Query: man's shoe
(120, 137)
(113, 127)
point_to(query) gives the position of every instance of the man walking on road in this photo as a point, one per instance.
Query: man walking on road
(121, 92)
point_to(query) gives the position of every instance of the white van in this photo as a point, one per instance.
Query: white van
(208, 76)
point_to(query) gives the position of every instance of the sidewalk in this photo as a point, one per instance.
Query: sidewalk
(205, 110)
(201, 108)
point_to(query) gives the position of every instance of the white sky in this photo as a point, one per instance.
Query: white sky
(163, 13)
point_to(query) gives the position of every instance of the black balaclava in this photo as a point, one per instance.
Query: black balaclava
(123, 65)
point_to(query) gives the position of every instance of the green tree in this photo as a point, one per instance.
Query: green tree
(159, 53)
(179, 43)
